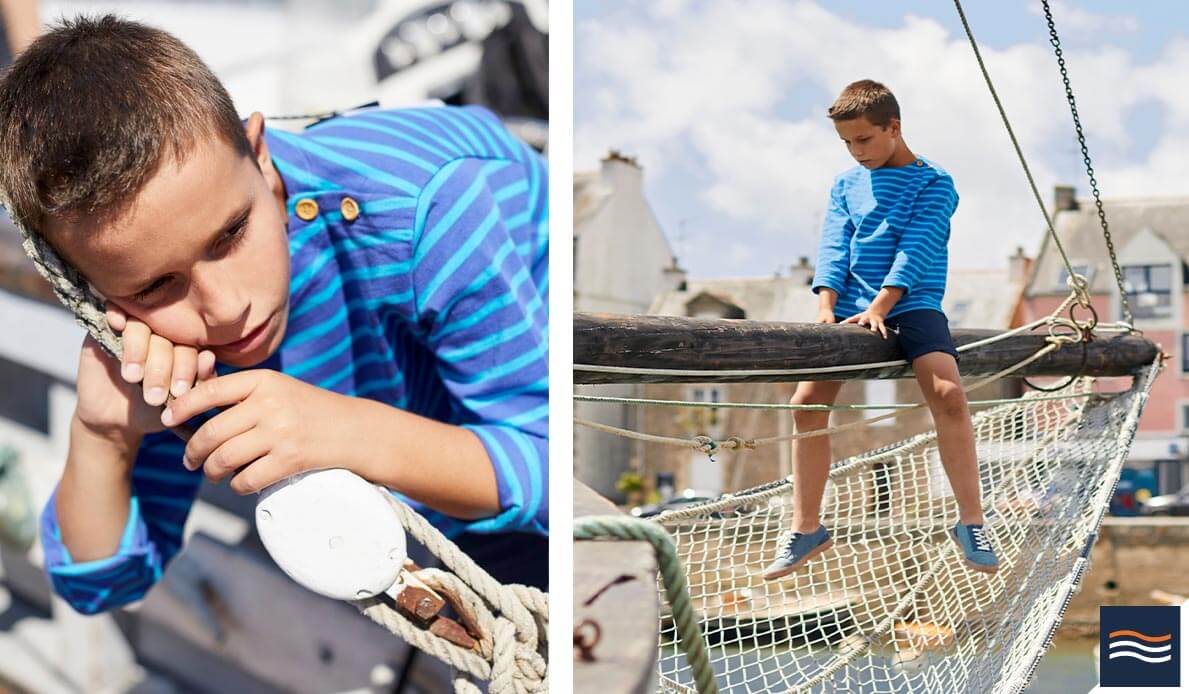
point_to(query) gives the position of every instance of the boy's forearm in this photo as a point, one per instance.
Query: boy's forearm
(94, 494)
(443, 466)
(826, 298)
(886, 299)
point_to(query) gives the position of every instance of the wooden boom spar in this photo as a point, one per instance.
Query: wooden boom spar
(712, 345)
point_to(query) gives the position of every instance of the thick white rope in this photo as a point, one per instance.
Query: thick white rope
(513, 619)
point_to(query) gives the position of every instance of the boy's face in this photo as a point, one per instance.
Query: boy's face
(201, 256)
(871, 145)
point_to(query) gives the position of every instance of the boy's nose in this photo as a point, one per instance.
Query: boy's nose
(220, 303)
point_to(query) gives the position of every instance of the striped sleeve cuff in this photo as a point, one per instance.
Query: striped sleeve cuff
(521, 474)
(99, 585)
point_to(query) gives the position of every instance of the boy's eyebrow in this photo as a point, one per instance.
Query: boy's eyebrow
(237, 218)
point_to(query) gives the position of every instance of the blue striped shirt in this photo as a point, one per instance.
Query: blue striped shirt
(434, 300)
(887, 227)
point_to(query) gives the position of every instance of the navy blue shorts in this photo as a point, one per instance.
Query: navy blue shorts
(922, 331)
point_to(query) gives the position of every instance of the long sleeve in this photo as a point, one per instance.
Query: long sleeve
(833, 255)
(162, 493)
(478, 273)
(924, 238)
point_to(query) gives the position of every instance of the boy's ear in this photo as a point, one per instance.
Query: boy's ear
(255, 132)
(894, 127)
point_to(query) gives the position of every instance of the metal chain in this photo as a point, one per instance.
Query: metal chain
(1077, 124)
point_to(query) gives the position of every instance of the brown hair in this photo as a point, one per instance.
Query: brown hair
(866, 98)
(91, 109)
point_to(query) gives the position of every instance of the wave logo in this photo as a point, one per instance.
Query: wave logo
(1126, 643)
(1140, 646)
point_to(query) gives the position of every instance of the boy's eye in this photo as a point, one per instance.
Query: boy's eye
(236, 232)
(150, 290)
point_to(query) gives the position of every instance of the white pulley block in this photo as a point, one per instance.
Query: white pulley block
(333, 532)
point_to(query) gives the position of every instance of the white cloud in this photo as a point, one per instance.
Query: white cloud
(1079, 23)
(706, 90)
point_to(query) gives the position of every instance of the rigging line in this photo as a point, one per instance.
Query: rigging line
(710, 445)
(1077, 124)
(1078, 282)
(649, 402)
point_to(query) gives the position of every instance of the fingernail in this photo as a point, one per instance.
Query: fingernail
(155, 395)
(133, 372)
(180, 387)
(186, 461)
(167, 417)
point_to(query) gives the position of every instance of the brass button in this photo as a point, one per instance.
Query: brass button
(920, 163)
(307, 209)
(350, 209)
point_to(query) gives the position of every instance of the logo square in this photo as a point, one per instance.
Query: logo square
(1139, 646)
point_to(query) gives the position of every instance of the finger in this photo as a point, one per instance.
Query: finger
(158, 366)
(234, 454)
(135, 341)
(215, 432)
(185, 369)
(206, 365)
(116, 319)
(853, 318)
(883, 330)
(258, 476)
(216, 392)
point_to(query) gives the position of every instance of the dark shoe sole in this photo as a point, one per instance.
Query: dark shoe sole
(792, 568)
(972, 565)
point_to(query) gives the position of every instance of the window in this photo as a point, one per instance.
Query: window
(1084, 269)
(1149, 290)
(1185, 353)
(708, 395)
(1184, 416)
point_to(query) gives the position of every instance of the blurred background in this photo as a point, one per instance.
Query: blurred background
(224, 618)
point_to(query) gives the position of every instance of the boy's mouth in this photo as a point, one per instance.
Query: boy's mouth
(248, 342)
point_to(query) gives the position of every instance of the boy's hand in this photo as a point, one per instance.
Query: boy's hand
(825, 315)
(108, 405)
(871, 319)
(274, 424)
(159, 365)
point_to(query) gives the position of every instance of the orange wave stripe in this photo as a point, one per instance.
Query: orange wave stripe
(1136, 634)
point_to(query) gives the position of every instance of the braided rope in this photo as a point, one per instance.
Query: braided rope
(73, 290)
(672, 577)
(513, 619)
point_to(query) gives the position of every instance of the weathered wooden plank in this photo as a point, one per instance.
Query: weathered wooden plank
(615, 587)
(710, 345)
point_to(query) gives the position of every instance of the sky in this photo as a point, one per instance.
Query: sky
(724, 106)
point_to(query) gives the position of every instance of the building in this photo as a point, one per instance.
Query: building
(1151, 238)
(622, 261)
(974, 299)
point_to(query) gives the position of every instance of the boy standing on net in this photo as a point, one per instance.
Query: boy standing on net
(882, 265)
(373, 290)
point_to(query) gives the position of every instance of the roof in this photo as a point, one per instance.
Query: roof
(1081, 233)
(974, 298)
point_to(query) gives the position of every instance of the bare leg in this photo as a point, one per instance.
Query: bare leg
(937, 374)
(811, 456)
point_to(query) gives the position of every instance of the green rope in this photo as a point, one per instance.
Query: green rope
(1077, 282)
(649, 402)
(672, 577)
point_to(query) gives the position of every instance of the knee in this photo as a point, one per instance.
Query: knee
(950, 402)
(806, 420)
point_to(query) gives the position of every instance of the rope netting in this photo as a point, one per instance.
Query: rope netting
(892, 607)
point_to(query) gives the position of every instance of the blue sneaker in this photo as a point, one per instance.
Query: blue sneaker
(976, 547)
(796, 551)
